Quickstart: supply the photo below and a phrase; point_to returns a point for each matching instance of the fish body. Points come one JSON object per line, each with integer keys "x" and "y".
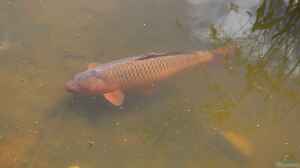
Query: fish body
{"x": 113, "y": 78}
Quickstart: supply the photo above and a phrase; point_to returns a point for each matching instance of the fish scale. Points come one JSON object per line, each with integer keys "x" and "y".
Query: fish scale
{"x": 147, "y": 71}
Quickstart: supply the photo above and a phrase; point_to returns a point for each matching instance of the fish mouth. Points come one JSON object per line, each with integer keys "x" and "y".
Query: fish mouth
{"x": 71, "y": 86}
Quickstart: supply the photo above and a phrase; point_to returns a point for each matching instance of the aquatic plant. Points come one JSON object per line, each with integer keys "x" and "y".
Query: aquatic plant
{"x": 278, "y": 26}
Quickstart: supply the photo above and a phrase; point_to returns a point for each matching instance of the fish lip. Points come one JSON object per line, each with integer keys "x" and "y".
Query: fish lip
{"x": 71, "y": 86}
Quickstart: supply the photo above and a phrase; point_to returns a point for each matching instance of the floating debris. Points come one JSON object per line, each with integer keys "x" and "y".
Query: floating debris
{"x": 287, "y": 164}
{"x": 288, "y": 161}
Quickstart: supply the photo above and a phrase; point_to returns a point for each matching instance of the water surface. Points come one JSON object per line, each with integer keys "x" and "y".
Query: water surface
{"x": 43, "y": 43}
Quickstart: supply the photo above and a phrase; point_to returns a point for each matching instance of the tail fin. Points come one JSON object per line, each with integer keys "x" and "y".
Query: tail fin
{"x": 223, "y": 53}
{"x": 227, "y": 50}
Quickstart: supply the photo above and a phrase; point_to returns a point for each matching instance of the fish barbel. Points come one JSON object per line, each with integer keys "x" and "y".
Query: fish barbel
{"x": 112, "y": 79}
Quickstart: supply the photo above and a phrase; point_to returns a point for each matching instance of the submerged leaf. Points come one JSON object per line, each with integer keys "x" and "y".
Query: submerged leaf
{"x": 213, "y": 32}
{"x": 261, "y": 10}
{"x": 267, "y": 25}
{"x": 287, "y": 164}
{"x": 259, "y": 15}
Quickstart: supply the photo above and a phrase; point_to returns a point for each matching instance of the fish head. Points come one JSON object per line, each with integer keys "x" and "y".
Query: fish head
{"x": 87, "y": 82}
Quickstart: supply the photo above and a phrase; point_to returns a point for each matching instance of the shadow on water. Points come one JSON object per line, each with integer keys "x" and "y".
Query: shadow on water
{"x": 96, "y": 108}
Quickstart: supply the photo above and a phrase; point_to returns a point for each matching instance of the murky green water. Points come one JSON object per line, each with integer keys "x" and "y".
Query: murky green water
{"x": 44, "y": 42}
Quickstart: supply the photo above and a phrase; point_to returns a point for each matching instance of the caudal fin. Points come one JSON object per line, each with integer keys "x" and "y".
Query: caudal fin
{"x": 228, "y": 50}
{"x": 218, "y": 55}
{"x": 224, "y": 53}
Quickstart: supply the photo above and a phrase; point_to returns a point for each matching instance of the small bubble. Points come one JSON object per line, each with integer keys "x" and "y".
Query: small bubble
{"x": 116, "y": 123}
{"x": 31, "y": 131}
{"x": 36, "y": 122}
{"x": 257, "y": 125}
{"x": 177, "y": 132}
{"x": 91, "y": 143}
{"x": 144, "y": 24}
{"x": 286, "y": 157}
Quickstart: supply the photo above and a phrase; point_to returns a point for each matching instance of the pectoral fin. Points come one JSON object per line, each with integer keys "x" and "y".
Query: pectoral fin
{"x": 116, "y": 97}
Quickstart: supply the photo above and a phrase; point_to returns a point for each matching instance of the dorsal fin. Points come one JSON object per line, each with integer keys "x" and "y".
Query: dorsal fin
{"x": 155, "y": 55}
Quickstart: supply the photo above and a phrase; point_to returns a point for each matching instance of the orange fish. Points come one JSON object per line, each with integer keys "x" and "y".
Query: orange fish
{"x": 112, "y": 79}
{"x": 239, "y": 142}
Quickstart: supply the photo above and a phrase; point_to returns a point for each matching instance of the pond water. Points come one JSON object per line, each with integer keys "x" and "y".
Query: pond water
{"x": 44, "y": 42}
